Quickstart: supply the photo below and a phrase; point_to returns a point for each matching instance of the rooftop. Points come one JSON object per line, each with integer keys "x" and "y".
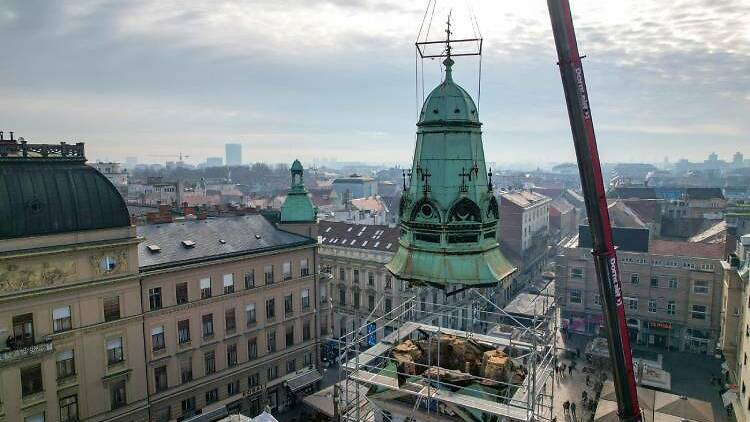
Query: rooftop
{"x": 688, "y": 249}
{"x": 173, "y": 244}
{"x": 523, "y": 198}
{"x": 371, "y": 237}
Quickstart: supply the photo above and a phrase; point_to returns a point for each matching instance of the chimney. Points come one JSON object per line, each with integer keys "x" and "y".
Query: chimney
{"x": 1, "y": 136}
{"x": 11, "y": 135}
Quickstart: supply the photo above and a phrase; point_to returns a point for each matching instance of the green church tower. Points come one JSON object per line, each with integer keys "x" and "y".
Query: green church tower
{"x": 448, "y": 212}
{"x": 298, "y": 207}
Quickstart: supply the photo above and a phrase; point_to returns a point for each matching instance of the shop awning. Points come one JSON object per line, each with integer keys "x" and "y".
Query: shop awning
{"x": 302, "y": 381}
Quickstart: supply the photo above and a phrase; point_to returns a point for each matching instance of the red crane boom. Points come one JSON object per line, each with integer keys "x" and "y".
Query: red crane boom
{"x": 605, "y": 257}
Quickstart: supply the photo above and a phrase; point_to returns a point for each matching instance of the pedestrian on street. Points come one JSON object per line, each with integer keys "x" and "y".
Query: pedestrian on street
{"x": 570, "y": 370}
{"x": 584, "y": 395}
{"x": 587, "y": 380}
{"x": 573, "y": 410}
{"x": 566, "y": 406}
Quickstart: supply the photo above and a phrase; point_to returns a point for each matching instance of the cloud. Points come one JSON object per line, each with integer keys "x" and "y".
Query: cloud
{"x": 317, "y": 77}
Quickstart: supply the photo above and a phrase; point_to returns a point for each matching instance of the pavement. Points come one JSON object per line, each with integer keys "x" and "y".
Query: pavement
{"x": 569, "y": 386}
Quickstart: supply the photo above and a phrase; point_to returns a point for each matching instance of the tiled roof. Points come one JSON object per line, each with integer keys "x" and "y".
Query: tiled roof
{"x": 620, "y": 215}
{"x": 633, "y": 192}
{"x": 649, "y": 210}
{"x": 692, "y": 249}
{"x": 562, "y": 205}
{"x": 704, "y": 193}
{"x": 359, "y": 236}
{"x": 523, "y": 198}
{"x": 370, "y": 204}
{"x": 213, "y": 238}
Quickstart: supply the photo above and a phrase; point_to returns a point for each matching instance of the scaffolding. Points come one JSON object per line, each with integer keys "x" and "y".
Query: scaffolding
{"x": 374, "y": 387}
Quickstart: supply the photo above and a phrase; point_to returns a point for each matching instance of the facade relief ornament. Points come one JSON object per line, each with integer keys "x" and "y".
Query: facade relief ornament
{"x": 15, "y": 277}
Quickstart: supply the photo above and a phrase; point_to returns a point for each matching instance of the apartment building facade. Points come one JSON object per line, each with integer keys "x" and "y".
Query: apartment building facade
{"x": 735, "y": 328}
{"x": 71, "y": 341}
{"x": 231, "y": 310}
{"x": 672, "y": 292}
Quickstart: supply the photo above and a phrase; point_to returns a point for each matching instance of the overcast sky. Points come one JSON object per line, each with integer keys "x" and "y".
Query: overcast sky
{"x": 336, "y": 79}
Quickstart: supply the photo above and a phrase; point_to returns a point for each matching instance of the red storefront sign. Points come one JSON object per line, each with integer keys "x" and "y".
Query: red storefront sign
{"x": 660, "y": 324}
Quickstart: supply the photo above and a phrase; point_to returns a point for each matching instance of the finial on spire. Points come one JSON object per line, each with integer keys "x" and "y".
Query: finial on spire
{"x": 448, "y": 62}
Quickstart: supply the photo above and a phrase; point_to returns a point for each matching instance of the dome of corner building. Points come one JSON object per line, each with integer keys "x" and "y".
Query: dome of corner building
{"x": 448, "y": 102}
{"x": 40, "y": 197}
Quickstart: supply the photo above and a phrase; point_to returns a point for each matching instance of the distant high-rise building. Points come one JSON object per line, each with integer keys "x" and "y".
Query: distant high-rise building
{"x": 131, "y": 162}
{"x": 234, "y": 154}
{"x": 216, "y": 161}
{"x": 738, "y": 159}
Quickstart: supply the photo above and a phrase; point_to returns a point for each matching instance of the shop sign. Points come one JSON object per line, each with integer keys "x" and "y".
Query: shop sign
{"x": 664, "y": 325}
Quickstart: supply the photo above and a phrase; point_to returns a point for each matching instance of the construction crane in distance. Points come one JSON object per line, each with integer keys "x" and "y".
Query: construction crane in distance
{"x": 592, "y": 184}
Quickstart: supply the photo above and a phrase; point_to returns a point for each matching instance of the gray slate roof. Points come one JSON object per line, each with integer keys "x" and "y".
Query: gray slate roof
{"x": 240, "y": 236}
{"x": 359, "y": 236}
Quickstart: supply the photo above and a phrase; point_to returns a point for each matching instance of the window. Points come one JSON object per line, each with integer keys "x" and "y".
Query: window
{"x": 576, "y": 273}
{"x": 305, "y": 295}
{"x": 61, "y": 319}
{"x": 65, "y": 364}
{"x": 575, "y": 296}
{"x": 205, "y": 288}
{"x": 671, "y": 307}
{"x": 23, "y": 329}
{"x": 228, "y": 283}
{"x": 233, "y": 387}
{"x": 271, "y": 341}
{"x": 286, "y": 270}
{"x": 655, "y": 282}
{"x": 635, "y": 278}
{"x": 111, "y": 308}
{"x": 188, "y": 407}
{"x": 291, "y": 366}
{"x": 306, "y": 331}
{"x": 355, "y": 299}
{"x": 117, "y": 395}
{"x": 308, "y": 359}
{"x": 250, "y": 279}
{"x": 652, "y": 305}
{"x": 388, "y": 282}
{"x": 69, "y": 408}
{"x": 632, "y": 303}
{"x": 209, "y": 362}
{"x": 342, "y": 296}
{"x": 323, "y": 295}
{"x": 673, "y": 284}
{"x": 231, "y": 354}
{"x": 698, "y": 312}
{"x": 160, "y": 378}
{"x": 288, "y": 305}
{"x": 388, "y": 304}
{"x": 157, "y": 338}
{"x": 208, "y": 325}
{"x": 252, "y": 348}
{"x": 250, "y": 317}
{"x": 370, "y": 279}
{"x": 356, "y": 276}
{"x": 272, "y": 372}
{"x": 183, "y": 331}
{"x": 290, "y": 336}
{"x": 186, "y": 370}
{"x": 212, "y": 396}
{"x": 229, "y": 320}
{"x": 31, "y": 380}
{"x": 181, "y": 293}
{"x": 700, "y": 287}
{"x": 270, "y": 308}
{"x": 304, "y": 268}
{"x": 370, "y": 303}
{"x": 154, "y": 298}
{"x": 268, "y": 274}
{"x": 597, "y": 299}
{"x": 253, "y": 380}
{"x": 342, "y": 274}
{"x": 114, "y": 351}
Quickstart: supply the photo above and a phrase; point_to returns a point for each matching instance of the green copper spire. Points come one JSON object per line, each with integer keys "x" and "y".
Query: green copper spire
{"x": 298, "y": 207}
{"x": 448, "y": 212}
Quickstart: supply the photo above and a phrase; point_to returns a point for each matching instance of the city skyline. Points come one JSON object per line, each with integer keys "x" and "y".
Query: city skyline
{"x": 135, "y": 76}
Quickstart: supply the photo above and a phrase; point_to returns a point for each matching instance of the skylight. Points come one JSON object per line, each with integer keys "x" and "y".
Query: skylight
{"x": 153, "y": 248}
{"x": 188, "y": 243}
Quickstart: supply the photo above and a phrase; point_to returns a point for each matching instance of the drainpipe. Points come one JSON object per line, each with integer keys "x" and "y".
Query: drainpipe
{"x": 143, "y": 334}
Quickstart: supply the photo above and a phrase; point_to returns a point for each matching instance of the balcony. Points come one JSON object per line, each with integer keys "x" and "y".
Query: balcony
{"x": 18, "y": 351}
